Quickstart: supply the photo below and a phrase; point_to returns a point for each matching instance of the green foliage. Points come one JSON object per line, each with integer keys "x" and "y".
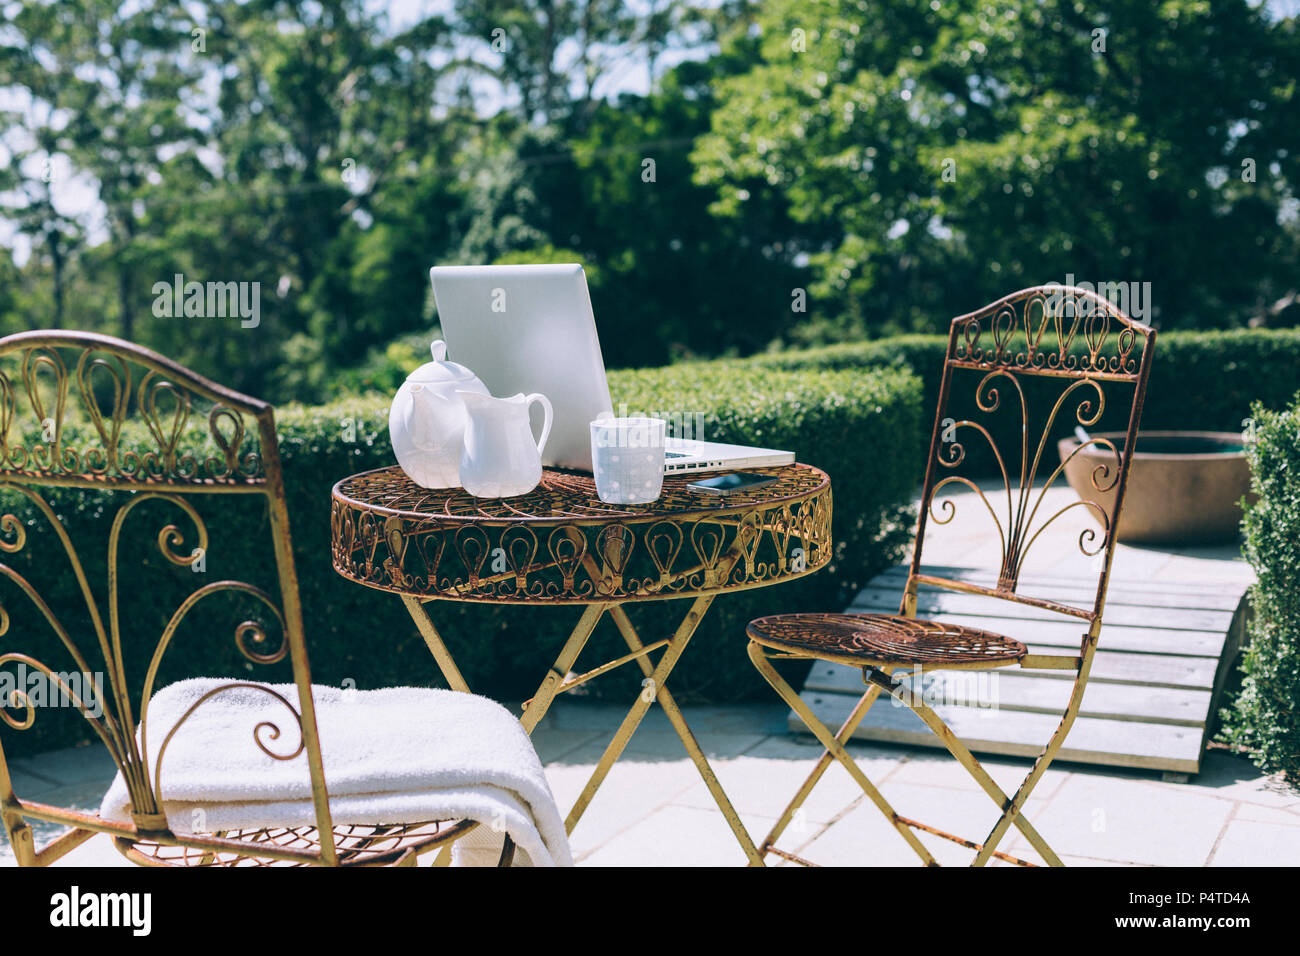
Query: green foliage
{"x": 839, "y": 421}
{"x": 94, "y": 89}
{"x": 637, "y": 212}
{"x": 922, "y": 354}
{"x": 384, "y": 369}
{"x": 1211, "y": 379}
{"x": 1199, "y": 380}
{"x": 364, "y": 635}
{"x": 1265, "y": 717}
{"x": 810, "y": 171}
{"x": 503, "y": 650}
{"x": 951, "y": 152}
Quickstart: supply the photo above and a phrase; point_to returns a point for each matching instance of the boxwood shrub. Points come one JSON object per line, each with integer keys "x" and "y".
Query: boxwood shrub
{"x": 1199, "y": 380}
{"x": 1265, "y": 716}
{"x": 863, "y": 427}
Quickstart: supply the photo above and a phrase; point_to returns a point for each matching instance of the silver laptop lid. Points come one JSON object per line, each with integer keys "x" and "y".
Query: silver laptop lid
{"x": 529, "y": 328}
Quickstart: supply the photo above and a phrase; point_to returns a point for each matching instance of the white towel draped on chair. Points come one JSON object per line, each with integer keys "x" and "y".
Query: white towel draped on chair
{"x": 396, "y": 755}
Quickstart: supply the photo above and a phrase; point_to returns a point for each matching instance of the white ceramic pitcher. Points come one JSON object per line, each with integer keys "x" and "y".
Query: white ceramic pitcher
{"x": 501, "y": 459}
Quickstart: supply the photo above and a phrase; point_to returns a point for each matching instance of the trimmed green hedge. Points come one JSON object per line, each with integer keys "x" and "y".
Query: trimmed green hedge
{"x": 837, "y": 420}
{"x": 857, "y": 411}
{"x": 1199, "y": 380}
{"x": 1265, "y": 716}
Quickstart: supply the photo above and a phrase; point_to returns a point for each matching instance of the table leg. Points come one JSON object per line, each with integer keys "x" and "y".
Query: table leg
{"x": 578, "y": 638}
{"x": 656, "y": 677}
{"x": 692, "y": 745}
{"x": 431, "y": 637}
{"x": 634, "y": 716}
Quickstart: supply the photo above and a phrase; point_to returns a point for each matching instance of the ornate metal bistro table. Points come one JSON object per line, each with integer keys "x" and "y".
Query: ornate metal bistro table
{"x": 560, "y": 545}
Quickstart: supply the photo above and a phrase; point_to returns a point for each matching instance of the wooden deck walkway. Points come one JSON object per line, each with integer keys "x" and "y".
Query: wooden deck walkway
{"x": 1166, "y": 650}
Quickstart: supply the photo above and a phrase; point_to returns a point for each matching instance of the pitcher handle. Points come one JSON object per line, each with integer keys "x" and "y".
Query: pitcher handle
{"x": 547, "y": 415}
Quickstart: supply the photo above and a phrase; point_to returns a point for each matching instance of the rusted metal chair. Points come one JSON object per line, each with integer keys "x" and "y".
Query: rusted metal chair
{"x": 198, "y": 440}
{"x": 1081, "y": 350}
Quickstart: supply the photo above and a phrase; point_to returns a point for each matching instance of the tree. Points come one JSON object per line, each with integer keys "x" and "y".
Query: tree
{"x": 953, "y": 152}
{"x": 29, "y": 179}
{"x": 323, "y": 124}
{"x": 548, "y": 55}
{"x": 676, "y": 281}
{"x": 102, "y": 84}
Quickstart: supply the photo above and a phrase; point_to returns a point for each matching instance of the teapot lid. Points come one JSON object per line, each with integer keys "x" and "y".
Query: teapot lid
{"x": 441, "y": 371}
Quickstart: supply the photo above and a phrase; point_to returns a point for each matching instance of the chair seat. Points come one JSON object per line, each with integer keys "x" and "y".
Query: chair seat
{"x": 356, "y": 845}
{"x": 406, "y": 767}
{"x": 885, "y": 640}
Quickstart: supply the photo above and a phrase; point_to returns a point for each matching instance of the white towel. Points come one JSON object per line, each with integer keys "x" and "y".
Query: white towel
{"x": 397, "y": 755}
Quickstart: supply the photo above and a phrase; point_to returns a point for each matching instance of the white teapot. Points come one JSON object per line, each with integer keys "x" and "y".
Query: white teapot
{"x": 427, "y": 420}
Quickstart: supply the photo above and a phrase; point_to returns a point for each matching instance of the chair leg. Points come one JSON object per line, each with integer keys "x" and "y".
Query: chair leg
{"x": 819, "y": 769}
{"x": 507, "y": 852}
{"x": 444, "y": 857}
{"x": 1010, "y": 808}
{"x": 836, "y": 749}
{"x": 21, "y": 840}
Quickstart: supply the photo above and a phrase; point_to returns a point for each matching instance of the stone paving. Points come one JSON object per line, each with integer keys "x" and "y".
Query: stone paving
{"x": 654, "y": 810}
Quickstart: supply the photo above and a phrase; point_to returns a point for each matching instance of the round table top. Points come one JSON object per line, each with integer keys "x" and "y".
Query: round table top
{"x": 567, "y": 498}
{"x": 561, "y": 544}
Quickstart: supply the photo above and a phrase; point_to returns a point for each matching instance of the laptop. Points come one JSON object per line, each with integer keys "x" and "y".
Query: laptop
{"x": 530, "y": 328}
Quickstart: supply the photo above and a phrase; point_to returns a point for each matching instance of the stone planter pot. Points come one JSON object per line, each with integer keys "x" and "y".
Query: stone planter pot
{"x": 1183, "y": 487}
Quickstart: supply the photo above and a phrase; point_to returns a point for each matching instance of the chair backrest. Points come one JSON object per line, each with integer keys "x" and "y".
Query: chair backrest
{"x": 1067, "y": 350}
{"x": 90, "y": 412}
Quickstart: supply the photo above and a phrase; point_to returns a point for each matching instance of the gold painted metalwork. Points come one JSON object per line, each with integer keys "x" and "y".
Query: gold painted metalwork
{"x": 199, "y": 439}
{"x": 561, "y": 545}
{"x": 886, "y": 640}
{"x": 1045, "y": 333}
{"x": 355, "y": 845}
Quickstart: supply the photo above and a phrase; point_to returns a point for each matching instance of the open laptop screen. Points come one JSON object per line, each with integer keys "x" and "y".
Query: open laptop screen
{"x": 530, "y": 328}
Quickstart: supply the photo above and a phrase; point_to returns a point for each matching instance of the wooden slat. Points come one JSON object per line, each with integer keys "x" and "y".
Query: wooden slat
{"x": 1007, "y": 689}
{"x": 1141, "y": 670}
{"x": 1092, "y": 740}
{"x": 1164, "y": 654}
{"x": 1066, "y": 635}
{"x": 1145, "y": 670}
{"x": 987, "y": 574}
{"x": 1209, "y": 595}
{"x": 936, "y": 602}
{"x": 960, "y": 573}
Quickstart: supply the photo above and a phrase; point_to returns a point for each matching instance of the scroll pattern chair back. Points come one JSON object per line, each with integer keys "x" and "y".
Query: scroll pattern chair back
{"x": 86, "y": 411}
{"x": 1079, "y": 352}
{"x": 1086, "y": 358}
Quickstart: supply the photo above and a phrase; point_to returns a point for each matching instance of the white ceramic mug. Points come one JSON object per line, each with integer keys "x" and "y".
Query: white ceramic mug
{"x": 627, "y": 458}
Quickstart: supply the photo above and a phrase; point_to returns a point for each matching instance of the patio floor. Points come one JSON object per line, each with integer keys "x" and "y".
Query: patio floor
{"x": 654, "y": 811}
